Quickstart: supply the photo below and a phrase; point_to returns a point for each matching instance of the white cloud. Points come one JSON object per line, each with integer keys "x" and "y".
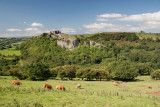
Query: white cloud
{"x": 14, "y": 30}
{"x": 68, "y": 30}
{"x": 149, "y": 22}
{"x": 107, "y": 16}
{"x": 98, "y": 25}
{"x": 142, "y": 17}
{"x": 36, "y": 25}
{"x": 31, "y": 29}
{"x": 112, "y": 15}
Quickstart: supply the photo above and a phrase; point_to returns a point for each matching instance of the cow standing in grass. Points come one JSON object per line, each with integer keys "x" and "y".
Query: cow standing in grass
{"x": 47, "y": 86}
{"x": 16, "y": 83}
{"x": 59, "y": 87}
{"x": 115, "y": 84}
{"x": 78, "y": 86}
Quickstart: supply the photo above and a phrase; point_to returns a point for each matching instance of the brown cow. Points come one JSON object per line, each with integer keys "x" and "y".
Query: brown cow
{"x": 78, "y": 86}
{"x": 16, "y": 83}
{"x": 59, "y": 87}
{"x": 47, "y": 86}
{"x": 149, "y": 87}
{"x": 116, "y": 84}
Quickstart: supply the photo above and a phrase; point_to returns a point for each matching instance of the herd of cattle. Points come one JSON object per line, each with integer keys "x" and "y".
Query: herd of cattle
{"x": 58, "y": 87}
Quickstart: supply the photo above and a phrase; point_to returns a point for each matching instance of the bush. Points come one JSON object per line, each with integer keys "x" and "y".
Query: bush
{"x": 156, "y": 74}
{"x": 123, "y": 70}
{"x": 35, "y": 70}
{"x": 70, "y": 71}
{"x": 144, "y": 68}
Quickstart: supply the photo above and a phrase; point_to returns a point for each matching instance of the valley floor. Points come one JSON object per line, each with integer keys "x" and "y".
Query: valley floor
{"x": 91, "y": 94}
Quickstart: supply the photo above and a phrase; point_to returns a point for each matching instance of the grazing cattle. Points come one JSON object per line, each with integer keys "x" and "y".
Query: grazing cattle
{"x": 116, "y": 84}
{"x": 16, "y": 83}
{"x": 59, "y": 87}
{"x": 149, "y": 87}
{"x": 47, "y": 86}
{"x": 78, "y": 86}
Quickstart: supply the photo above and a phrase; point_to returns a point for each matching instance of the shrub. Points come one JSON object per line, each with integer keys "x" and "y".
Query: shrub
{"x": 70, "y": 71}
{"x": 144, "y": 68}
{"x": 156, "y": 74}
{"x": 123, "y": 70}
{"x": 35, "y": 70}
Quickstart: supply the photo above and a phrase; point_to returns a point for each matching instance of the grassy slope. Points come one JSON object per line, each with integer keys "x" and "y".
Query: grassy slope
{"x": 92, "y": 94}
{"x": 148, "y": 35}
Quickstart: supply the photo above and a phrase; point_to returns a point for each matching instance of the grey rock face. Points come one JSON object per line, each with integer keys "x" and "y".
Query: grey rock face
{"x": 69, "y": 43}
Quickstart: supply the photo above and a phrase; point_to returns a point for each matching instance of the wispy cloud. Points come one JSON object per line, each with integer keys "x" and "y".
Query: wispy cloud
{"x": 31, "y": 29}
{"x": 14, "y": 30}
{"x": 36, "y": 25}
{"x": 142, "y": 17}
{"x": 130, "y": 23}
{"x": 68, "y": 30}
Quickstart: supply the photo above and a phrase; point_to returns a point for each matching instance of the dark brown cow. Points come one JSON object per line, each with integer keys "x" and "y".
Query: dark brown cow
{"x": 16, "y": 83}
{"x": 59, "y": 87}
{"x": 47, "y": 86}
{"x": 149, "y": 87}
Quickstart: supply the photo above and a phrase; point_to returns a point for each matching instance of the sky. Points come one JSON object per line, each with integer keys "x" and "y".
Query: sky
{"x": 34, "y": 17}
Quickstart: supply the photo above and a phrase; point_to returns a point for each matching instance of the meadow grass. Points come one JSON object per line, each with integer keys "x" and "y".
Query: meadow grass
{"x": 10, "y": 51}
{"x": 91, "y": 94}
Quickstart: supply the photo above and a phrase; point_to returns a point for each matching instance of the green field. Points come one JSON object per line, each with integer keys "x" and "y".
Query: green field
{"x": 92, "y": 94}
{"x": 10, "y": 51}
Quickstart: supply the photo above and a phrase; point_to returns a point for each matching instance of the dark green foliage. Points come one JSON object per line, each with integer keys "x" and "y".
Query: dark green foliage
{"x": 113, "y": 49}
{"x": 101, "y": 37}
{"x": 69, "y": 71}
{"x": 156, "y": 74}
{"x": 80, "y": 72}
{"x": 145, "y": 68}
{"x": 101, "y": 74}
{"x": 54, "y": 71}
{"x": 123, "y": 70}
{"x": 35, "y": 70}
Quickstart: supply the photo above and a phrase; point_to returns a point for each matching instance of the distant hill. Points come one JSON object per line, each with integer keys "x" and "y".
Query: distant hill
{"x": 62, "y": 49}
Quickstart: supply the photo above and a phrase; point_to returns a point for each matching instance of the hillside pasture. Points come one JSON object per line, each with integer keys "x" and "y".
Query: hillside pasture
{"x": 91, "y": 94}
{"x": 10, "y": 51}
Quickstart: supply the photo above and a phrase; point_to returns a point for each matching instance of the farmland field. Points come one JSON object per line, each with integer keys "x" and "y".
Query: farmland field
{"x": 10, "y": 52}
{"x": 91, "y": 94}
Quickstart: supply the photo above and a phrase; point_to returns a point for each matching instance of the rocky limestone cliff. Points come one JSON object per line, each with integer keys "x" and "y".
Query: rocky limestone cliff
{"x": 69, "y": 43}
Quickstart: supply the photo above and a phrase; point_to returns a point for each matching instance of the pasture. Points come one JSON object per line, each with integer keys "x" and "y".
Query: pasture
{"x": 91, "y": 94}
{"x": 10, "y": 51}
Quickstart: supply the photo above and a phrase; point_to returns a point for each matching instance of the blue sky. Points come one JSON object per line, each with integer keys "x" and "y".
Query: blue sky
{"x": 33, "y": 17}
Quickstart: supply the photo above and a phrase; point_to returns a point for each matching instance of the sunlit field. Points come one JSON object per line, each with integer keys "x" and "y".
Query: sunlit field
{"x": 91, "y": 94}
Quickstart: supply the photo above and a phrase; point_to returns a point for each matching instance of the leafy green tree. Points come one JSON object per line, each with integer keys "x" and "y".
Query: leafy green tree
{"x": 80, "y": 73}
{"x": 145, "y": 68}
{"x": 70, "y": 71}
{"x": 54, "y": 71}
{"x": 123, "y": 70}
{"x": 101, "y": 74}
{"x": 156, "y": 74}
{"x": 36, "y": 70}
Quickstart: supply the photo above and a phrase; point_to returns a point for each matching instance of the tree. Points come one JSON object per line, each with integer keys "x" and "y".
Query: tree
{"x": 144, "y": 68}
{"x": 80, "y": 73}
{"x": 36, "y": 70}
{"x": 156, "y": 74}
{"x": 101, "y": 74}
{"x": 54, "y": 71}
{"x": 123, "y": 70}
{"x": 70, "y": 71}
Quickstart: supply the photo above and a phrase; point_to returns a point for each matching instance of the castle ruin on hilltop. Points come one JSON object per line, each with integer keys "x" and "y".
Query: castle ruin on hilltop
{"x": 55, "y": 32}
